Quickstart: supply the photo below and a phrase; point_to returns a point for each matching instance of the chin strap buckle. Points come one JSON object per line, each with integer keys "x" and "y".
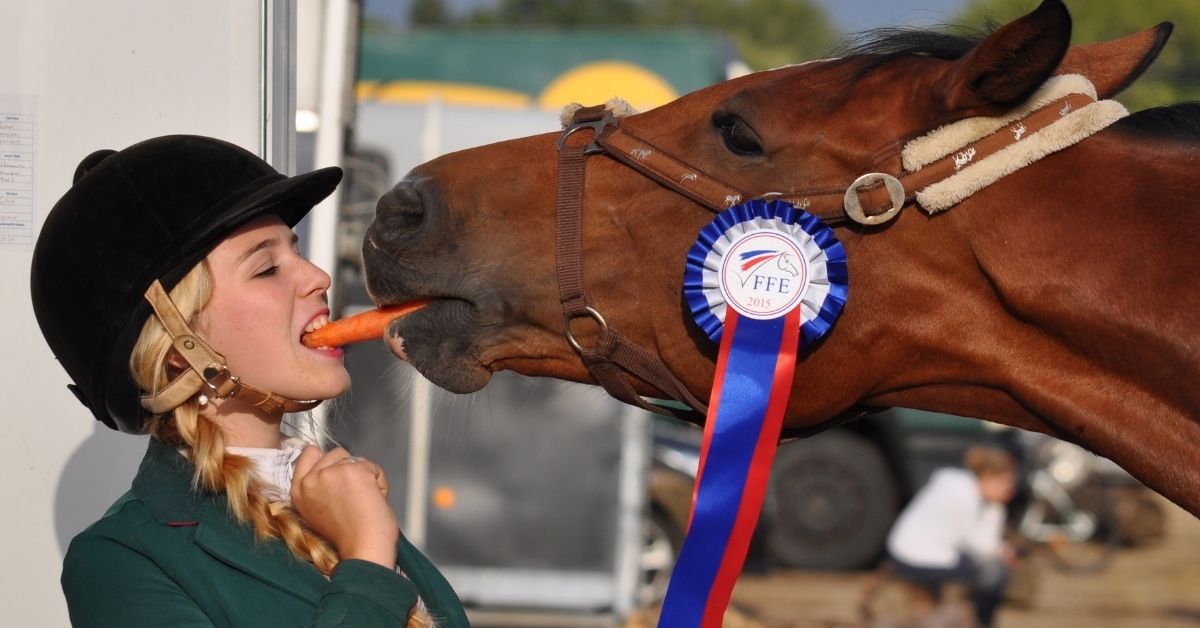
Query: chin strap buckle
{"x": 223, "y": 384}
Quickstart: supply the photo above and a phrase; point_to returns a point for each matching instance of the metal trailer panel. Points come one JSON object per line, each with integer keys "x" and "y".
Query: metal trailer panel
{"x": 98, "y": 75}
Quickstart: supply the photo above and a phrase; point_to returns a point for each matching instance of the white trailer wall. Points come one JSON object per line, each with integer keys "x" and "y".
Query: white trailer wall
{"x": 75, "y": 77}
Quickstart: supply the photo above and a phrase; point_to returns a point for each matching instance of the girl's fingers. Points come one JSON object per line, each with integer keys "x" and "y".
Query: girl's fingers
{"x": 312, "y": 460}
{"x": 376, "y": 471}
{"x": 331, "y": 457}
{"x": 374, "y": 468}
{"x": 308, "y": 458}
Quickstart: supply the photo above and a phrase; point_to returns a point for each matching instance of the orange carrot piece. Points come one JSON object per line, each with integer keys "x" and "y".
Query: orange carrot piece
{"x": 367, "y": 325}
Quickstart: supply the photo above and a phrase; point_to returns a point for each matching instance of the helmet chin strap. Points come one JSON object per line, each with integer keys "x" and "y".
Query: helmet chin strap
{"x": 208, "y": 372}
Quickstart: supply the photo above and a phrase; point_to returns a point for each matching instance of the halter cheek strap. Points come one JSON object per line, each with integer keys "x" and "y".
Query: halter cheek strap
{"x": 940, "y": 169}
{"x": 208, "y": 371}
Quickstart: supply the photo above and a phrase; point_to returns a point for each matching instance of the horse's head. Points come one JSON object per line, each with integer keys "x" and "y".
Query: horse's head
{"x": 476, "y": 228}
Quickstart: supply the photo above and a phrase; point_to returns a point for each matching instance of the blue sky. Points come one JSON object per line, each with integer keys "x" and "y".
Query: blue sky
{"x": 857, "y": 15}
{"x": 850, "y": 15}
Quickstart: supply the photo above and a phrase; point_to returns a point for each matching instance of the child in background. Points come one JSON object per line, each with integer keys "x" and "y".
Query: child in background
{"x": 951, "y": 531}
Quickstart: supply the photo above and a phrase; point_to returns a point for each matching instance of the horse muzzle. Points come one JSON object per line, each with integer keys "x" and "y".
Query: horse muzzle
{"x": 410, "y": 252}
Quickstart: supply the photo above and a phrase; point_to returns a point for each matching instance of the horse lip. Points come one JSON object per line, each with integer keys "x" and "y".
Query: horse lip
{"x": 440, "y": 342}
{"x": 395, "y": 342}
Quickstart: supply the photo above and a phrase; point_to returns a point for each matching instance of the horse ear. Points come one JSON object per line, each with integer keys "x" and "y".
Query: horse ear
{"x": 1113, "y": 65}
{"x": 1008, "y": 66}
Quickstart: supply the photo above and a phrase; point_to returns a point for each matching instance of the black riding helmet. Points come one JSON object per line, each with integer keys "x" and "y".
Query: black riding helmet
{"x": 150, "y": 211}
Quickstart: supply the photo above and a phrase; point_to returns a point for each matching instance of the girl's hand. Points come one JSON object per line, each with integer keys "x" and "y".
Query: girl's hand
{"x": 344, "y": 499}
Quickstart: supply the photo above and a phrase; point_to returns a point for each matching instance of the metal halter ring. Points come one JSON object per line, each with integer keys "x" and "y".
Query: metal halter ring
{"x": 854, "y": 207}
{"x": 587, "y": 311}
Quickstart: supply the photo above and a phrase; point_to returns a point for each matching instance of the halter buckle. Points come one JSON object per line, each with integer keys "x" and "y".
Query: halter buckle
{"x": 217, "y": 377}
{"x": 597, "y": 125}
{"x": 854, "y": 207}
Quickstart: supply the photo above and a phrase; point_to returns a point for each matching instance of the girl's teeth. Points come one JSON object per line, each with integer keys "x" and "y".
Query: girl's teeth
{"x": 316, "y": 324}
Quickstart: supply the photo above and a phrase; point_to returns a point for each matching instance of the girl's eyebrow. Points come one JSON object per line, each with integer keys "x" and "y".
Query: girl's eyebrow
{"x": 265, "y": 244}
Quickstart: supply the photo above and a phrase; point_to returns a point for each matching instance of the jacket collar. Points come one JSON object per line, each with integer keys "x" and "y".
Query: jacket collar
{"x": 164, "y": 484}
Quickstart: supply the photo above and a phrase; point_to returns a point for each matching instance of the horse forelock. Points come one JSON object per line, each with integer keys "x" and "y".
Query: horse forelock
{"x": 619, "y": 107}
{"x": 881, "y": 46}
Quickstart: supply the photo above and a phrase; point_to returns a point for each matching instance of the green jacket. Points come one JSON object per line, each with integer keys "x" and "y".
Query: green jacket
{"x": 164, "y": 555}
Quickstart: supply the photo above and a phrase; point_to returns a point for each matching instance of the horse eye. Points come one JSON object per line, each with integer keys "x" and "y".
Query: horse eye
{"x": 739, "y": 138}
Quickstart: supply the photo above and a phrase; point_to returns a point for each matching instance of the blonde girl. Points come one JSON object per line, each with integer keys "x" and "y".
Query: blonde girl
{"x": 169, "y": 284}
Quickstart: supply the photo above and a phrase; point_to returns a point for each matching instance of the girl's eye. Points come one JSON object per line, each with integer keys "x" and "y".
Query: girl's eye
{"x": 268, "y": 272}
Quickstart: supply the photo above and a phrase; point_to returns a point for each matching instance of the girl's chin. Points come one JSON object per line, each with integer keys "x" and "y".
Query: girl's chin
{"x": 334, "y": 388}
{"x": 326, "y": 385}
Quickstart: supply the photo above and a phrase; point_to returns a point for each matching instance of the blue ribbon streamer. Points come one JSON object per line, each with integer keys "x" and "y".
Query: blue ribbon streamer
{"x": 745, "y": 392}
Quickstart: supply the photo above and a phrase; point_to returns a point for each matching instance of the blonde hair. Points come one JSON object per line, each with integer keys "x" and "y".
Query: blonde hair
{"x": 216, "y": 471}
{"x": 986, "y": 461}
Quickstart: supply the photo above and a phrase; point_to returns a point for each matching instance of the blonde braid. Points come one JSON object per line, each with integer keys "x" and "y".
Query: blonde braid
{"x": 216, "y": 471}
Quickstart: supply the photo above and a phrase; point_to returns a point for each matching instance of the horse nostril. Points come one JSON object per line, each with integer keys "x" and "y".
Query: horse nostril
{"x": 401, "y": 208}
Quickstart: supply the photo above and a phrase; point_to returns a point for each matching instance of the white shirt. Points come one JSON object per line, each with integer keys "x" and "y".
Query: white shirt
{"x": 274, "y": 467}
{"x": 946, "y": 518}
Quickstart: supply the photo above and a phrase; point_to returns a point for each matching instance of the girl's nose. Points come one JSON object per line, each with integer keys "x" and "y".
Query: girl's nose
{"x": 315, "y": 279}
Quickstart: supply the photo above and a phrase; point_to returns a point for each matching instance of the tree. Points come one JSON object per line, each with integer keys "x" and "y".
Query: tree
{"x": 768, "y": 33}
{"x": 567, "y": 13}
{"x": 1174, "y": 77}
{"x": 428, "y": 12}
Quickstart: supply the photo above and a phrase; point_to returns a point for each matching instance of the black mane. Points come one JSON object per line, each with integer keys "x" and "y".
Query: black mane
{"x": 884, "y": 45}
{"x": 1179, "y": 121}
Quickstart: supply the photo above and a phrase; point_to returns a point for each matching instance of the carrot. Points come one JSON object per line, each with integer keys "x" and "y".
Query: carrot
{"x": 367, "y": 325}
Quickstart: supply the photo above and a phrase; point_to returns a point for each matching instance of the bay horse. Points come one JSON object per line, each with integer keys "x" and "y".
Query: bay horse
{"x": 1063, "y": 297}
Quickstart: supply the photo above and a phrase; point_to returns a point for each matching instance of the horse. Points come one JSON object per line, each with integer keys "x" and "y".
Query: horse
{"x": 1060, "y": 297}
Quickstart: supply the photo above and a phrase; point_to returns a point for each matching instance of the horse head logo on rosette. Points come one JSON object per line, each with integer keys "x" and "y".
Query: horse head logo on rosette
{"x": 764, "y": 281}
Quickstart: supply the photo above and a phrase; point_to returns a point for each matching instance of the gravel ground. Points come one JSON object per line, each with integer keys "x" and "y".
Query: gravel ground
{"x": 1155, "y": 586}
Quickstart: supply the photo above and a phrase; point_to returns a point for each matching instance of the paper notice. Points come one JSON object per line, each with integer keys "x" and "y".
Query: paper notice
{"x": 17, "y": 115}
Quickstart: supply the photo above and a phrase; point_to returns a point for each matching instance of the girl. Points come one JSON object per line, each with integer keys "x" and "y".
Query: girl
{"x": 168, "y": 283}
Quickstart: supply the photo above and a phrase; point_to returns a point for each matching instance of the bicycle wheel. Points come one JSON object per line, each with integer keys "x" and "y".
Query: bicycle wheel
{"x": 1069, "y": 553}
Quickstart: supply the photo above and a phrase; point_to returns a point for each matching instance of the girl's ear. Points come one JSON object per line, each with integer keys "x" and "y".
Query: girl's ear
{"x": 175, "y": 362}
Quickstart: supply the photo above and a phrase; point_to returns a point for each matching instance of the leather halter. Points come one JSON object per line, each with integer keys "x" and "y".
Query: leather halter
{"x": 612, "y": 351}
{"x": 871, "y": 199}
{"x": 208, "y": 371}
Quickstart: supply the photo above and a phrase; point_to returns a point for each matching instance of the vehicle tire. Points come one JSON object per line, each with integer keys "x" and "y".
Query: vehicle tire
{"x": 835, "y": 499}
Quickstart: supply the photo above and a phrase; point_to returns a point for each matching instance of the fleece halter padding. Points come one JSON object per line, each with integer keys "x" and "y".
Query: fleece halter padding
{"x": 1073, "y": 126}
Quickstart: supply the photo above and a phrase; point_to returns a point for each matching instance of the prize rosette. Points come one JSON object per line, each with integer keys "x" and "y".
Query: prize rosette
{"x": 772, "y": 256}
{"x": 763, "y": 280}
